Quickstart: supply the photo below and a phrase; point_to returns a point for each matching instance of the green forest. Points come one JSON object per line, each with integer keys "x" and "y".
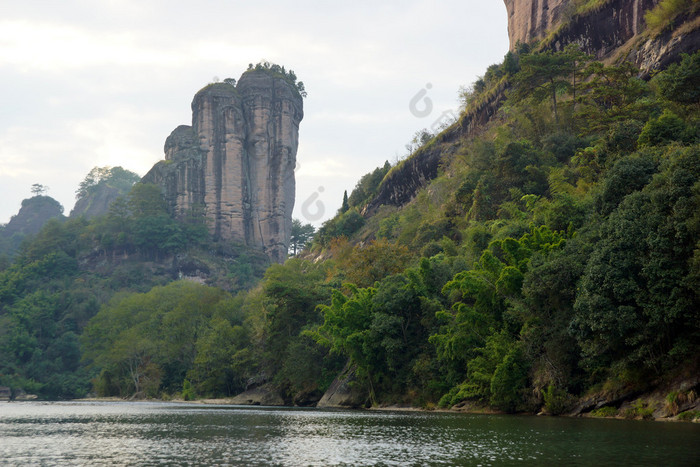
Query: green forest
{"x": 555, "y": 256}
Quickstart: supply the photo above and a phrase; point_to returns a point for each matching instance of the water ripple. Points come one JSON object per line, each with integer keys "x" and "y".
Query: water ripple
{"x": 143, "y": 433}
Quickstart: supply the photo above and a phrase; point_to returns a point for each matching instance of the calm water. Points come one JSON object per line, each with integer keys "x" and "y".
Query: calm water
{"x": 143, "y": 433}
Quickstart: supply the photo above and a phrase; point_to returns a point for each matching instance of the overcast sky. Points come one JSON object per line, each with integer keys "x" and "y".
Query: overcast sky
{"x": 88, "y": 83}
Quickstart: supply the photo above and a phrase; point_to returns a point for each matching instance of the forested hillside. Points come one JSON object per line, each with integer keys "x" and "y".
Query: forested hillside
{"x": 554, "y": 260}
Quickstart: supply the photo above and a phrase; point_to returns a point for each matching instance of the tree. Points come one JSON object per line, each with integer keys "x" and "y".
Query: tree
{"x": 146, "y": 199}
{"x": 679, "y": 82}
{"x": 345, "y": 206}
{"x": 611, "y": 94}
{"x": 547, "y": 74}
{"x": 346, "y": 329}
{"x": 116, "y": 177}
{"x": 542, "y": 74}
{"x": 39, "y": 189}
{"x": 301, "y": 236}
{"x": 376, "y": 261}
{"x": 292, "y": 291}
{"x": 638, "y": 302}
{"x": 665, "y": 129}
{"x": 145, "y": 343}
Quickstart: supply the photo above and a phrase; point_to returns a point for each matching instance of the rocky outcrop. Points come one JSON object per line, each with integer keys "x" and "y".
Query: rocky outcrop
{"x": 531, "y": 19}
{"x": 263, "y": 395}
{"x": 34, "y": 213}
{"x": 404, "y": 181}
{"x": 344, "y": 392}
{"x": 599, "y": 30}
{"x": 235, "y": 164}
{"x": 96, "y": 203}
{"x": 658, "y": 52}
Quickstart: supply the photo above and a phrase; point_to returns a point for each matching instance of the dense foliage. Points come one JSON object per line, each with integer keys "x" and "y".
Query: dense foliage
{"x": 63, "y": 275}
{"x": 556, "y": 255}
{"x": 278, "y": 71}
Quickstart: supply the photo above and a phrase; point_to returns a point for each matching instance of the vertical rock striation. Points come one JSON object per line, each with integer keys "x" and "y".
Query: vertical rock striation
{"x": 531, "y": 19}
{"x": 609, "y": 30}
{"x": 235, "y": 164}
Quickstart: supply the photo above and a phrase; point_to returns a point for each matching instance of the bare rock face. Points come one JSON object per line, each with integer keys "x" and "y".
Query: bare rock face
{"x": 614, "y": 30}
{"x": 599, "y": 30}
{"x": 344, "y": 393}
{"x": 96, "y": 203}
{"x": 235, "y": 164}
{"x": 531, "y": 19}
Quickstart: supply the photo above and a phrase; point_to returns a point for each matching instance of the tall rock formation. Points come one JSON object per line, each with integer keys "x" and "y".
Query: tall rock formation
{"x": 235, "y": 164}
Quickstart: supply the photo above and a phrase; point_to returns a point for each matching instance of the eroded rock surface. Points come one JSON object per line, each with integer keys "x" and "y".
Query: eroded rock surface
{"x": 613, "y": 30}
{"x": 235, "y": 163}
{"x": 345, "y": 392}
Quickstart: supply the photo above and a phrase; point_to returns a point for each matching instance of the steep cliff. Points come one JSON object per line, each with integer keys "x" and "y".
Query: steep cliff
{"x": 97, "y": 203}
{"x": 403, "y": 181}
{"x": 610, "y": 30}
{"x": 235, "y": 164}
{"x": 531, "y": 19}
{"x": 101, "y": 186}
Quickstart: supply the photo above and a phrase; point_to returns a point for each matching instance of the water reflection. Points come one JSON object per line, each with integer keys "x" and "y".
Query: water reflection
{"x": 83, "y": 433}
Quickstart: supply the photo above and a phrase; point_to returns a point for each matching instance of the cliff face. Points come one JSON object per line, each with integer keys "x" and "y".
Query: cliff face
{"x": 614, "y": 30}
{"x": 531, "y": 19}
{"x": 599, "y": 30}
{"x": 235, "y": 164}
{"x": 403, "y": 182}
{"x": 97, "y": 203}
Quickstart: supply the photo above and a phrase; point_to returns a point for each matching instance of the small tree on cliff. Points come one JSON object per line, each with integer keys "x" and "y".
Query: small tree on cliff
{"x": 301, "y": 236}
{"x": 547, "y": 74}
{"x": 38, "y": 189}
{"x": 345, "y": 206}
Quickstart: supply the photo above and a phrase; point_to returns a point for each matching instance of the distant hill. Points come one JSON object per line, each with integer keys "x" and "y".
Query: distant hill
{"x": 32, "y": 216}
{"x": 100, "y": 188}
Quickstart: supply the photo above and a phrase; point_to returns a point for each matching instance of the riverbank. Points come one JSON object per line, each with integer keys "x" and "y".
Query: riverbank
{"x": 138, "y": 432}
{"x": 675, "y": 401}
{"x": 628, "y": 411}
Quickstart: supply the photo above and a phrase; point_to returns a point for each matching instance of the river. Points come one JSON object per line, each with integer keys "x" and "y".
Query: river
{"x": 150, "y": 433}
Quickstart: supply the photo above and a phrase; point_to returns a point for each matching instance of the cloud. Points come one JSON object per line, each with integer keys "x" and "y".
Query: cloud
{"x": 90, "y": 83}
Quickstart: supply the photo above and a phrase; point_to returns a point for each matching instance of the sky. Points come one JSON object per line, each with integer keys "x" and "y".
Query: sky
{"x": 95, "y": 83}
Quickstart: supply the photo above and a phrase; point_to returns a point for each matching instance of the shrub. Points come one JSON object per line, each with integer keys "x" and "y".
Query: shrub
{"x": 602, "y": 412}
{"x": 640, "y": 409}
{"x": 556, "y": 400}
{"x": 663, "y": 14}
{"x": 508, "y": 382}
{"x": 668, "y": 127}
{"x": 679, "y": 81}
{"x": 672, "y": 400}
{"x": 188, "y": 391}
{"x": 689, "y": 416}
